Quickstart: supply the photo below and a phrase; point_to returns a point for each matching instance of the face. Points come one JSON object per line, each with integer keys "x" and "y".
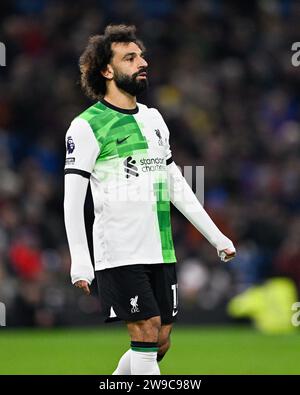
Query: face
{"x": 128, "y": 68}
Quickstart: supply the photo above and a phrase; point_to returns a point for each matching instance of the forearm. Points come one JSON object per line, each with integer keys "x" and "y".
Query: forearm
{"x": 186, "y": 202}
{"x": 75, "y": 193}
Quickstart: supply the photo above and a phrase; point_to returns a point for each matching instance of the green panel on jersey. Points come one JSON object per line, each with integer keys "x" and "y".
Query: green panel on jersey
{"x": 118, "y": 134}
{"x": 124, "y": 138}
{"x": 164, "y": 221}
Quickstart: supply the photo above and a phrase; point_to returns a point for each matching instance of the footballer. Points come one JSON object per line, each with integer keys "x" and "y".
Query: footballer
{"x": 122, "y": 148}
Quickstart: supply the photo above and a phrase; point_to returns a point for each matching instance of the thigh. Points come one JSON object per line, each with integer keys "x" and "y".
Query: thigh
{"x": 145, "y": 330}
{"x": 165, "y": 288}
{"x": 126, "y": 293}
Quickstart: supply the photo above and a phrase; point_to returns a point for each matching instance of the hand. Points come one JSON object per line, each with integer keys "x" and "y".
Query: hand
{"x": 83, "y": 285}
{"x": 227, "y": 254}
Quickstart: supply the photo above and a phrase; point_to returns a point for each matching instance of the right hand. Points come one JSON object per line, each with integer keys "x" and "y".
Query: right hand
{"x": 84, "y": 285}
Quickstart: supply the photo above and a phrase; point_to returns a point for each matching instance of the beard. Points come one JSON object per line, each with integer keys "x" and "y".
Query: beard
{"x": 130, "y": 84}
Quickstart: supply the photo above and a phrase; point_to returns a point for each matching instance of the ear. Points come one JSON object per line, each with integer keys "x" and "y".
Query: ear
{"x": 108, "y": 72}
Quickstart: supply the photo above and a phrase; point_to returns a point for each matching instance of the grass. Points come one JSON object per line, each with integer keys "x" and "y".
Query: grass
{"x": 195, "y": 350}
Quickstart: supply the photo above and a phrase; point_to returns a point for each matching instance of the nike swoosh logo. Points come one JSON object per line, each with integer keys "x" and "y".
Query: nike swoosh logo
{"x": 120, "y": 141}
{"x": 174, "y": 313}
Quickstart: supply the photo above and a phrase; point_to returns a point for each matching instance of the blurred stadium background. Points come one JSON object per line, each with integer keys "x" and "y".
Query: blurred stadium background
{"x": 221, "y": 74}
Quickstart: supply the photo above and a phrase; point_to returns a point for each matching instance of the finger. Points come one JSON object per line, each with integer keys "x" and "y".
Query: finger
{"x": 86, "y": 289}
{"x": 229, "y": 259}
{"x": 229, "y": 251}
{"x": 230, "y": 256}
{"x": 79, "y": 284}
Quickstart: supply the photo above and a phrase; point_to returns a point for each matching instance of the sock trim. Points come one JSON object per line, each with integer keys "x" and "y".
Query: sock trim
{"x": 144, "y": 346}
{"x": 147, "y": 349}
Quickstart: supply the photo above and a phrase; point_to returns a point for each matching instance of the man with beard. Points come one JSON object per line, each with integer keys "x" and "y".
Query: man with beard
{"x": 122, "y": 148}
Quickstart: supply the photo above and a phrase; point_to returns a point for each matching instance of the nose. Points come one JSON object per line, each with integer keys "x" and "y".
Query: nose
{"x": 143, "y": 63}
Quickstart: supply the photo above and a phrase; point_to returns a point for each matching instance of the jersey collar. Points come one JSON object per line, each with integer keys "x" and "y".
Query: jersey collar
{"x": 122, "y": 110}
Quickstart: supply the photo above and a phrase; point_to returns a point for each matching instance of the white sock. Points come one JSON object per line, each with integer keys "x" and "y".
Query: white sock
{"x": 124, "y": 364}
{"x": 144, "y": 362}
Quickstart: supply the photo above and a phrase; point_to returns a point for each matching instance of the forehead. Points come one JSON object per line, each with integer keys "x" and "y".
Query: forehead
{"x": 121, "y": 49}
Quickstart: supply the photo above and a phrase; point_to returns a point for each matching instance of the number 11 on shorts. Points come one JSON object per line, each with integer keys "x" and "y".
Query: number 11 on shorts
{"x": 175, "y": 299}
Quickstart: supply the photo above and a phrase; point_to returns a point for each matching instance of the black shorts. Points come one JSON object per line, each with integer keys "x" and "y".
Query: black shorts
{"x": 138, "y": 292}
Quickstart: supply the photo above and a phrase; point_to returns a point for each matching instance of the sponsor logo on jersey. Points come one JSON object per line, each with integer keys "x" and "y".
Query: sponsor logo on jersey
{"x": 130, "y": 168}
{"x": 152, "y": 164}
{"x": 134, "y": 304}
{"x": 147, "y": 165}
{"x": 70, "y": 145}
{"x": 158, "y": 134}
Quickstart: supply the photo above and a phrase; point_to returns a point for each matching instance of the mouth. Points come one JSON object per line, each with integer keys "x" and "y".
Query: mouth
{"x": 143, "y": 74}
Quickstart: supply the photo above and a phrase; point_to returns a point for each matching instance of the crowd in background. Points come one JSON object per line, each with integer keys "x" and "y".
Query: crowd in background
{"x": 221, "y": 75}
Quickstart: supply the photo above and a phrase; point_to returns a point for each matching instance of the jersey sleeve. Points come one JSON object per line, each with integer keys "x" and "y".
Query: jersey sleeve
{"x": 82, "y": 148}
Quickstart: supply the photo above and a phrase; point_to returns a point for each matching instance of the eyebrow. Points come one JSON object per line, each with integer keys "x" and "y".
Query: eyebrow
{"x": 133, "y": 53}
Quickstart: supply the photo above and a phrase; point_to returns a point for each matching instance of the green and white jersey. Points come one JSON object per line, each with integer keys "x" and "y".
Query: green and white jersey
{"x": 125, "y": 154}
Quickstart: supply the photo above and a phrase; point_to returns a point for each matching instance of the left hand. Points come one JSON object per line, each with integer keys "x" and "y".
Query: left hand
{"x": 227, "y": 254}
{"x": 84, "y": 285}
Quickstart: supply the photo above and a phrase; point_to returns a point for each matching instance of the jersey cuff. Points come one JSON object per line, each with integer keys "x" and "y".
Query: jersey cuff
{"x": 169, "y": 161}
{"x": 82, "y": 173}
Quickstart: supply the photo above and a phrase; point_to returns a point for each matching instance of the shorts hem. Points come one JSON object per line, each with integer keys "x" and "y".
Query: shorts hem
{"x": 145, "y": 317}
{"x": 170, "y": 321}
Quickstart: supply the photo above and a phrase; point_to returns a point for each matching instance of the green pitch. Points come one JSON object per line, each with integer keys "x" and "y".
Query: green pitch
{"x": 196, "y": 350}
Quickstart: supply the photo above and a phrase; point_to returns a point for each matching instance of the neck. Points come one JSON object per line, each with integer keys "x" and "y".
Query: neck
{"x": 121, "y": 99}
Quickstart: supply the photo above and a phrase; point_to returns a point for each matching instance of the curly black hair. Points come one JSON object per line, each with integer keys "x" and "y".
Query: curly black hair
{"x": 98, "y": 54}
